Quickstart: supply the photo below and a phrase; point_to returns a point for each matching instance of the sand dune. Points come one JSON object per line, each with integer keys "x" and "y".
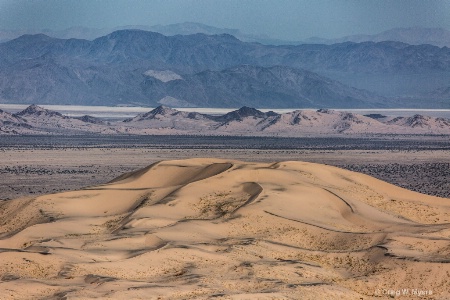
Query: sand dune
{"x": 209, "y": 228}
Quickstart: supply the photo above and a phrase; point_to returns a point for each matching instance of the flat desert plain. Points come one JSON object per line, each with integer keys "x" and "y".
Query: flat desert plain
{"x": 37, "y": 171}
{"x": 211, "y": 228}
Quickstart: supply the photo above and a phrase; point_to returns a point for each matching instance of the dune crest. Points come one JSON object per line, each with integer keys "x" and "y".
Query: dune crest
{"x": 203, "y": 228}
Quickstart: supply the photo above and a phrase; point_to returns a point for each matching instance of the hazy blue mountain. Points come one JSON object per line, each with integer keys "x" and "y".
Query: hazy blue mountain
{"x": 413, "y": 36}
{"x": 185, "y": 28}
{"x": 9, "y": 34}
{"x": 117, "y": 69}
{"x": 199, "y": 52}
{"x": 188, "y": 28}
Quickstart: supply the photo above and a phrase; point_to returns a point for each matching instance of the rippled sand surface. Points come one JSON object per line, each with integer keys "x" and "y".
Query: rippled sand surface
{"x": 224, "y": 229}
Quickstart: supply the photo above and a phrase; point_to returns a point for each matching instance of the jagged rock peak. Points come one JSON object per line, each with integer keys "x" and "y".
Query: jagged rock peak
{"x": 325, "y": 111}
{"x": 418, "y": 117}
{"x": 250, "y": 111}
{"x": 35, "y": 107}
{"x": 417, "y": 120}
{"x": 33, "y": 38}
{"x": 246, "y": 111}
{"x": 375, "y": 116}
{"x": 160, "y": 110}
{"x": 133, "y": 33}
{"x": 91, "y": 119}
{"x": 32, "y": 109}
{"x": 163, "y": 110}
{"x": 37, "y": 111}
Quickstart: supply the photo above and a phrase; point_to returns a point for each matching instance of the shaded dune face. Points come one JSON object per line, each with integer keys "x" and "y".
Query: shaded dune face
{"x": 203, "y": 228}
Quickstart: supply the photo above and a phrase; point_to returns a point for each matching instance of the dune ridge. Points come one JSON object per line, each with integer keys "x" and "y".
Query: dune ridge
{"x": 224, "y": 229}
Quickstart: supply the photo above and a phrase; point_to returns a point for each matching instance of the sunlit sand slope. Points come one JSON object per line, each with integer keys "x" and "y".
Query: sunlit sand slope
{"x": 209, "y": 228}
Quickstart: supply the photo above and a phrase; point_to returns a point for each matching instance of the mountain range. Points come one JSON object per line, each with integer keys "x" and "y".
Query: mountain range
{"x": 413, "y": 35}
{"x": 185, "y": 28}
{"x": 135, "y": 67}
{"x": 245, "y": 121}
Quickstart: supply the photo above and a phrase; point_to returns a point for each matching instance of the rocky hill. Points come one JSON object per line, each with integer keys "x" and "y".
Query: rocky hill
{"x": 37, "y": 120}
{"x": 13, "y": 124}
{"x": 244, "y": 121}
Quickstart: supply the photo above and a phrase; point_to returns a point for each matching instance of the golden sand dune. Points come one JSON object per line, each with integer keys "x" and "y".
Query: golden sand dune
{"x": 207, "y": 228}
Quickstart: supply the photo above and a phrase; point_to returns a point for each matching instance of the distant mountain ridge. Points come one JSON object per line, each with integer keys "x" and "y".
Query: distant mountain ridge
{"x": 185, "y": 28}
{"x": 135, "y": 67}
{"x": 414, "y": 36}
{"x": 246, "y": 121}
{"x": 116, "y": 68}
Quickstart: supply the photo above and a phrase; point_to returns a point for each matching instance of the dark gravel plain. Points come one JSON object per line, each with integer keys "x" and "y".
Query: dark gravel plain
{"x": 426, "y": 178}
{"x": 33, "y": 165}
{"x": 375, "y": 142}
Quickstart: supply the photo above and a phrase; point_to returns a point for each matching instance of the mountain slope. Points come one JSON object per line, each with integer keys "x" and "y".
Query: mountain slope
{"x": 277, "y": 86}
{"x": 13, "y": 124}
